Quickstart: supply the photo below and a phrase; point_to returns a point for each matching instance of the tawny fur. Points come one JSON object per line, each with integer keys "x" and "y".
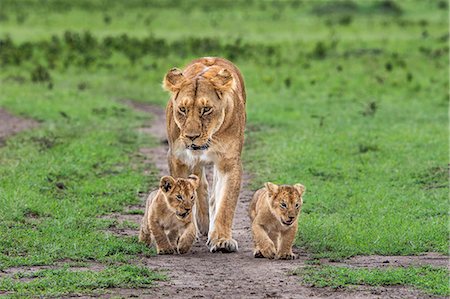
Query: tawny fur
{"x": 167, "y": 221}
{"x": 274, "y": 212}
{"x": 205, "y": 124}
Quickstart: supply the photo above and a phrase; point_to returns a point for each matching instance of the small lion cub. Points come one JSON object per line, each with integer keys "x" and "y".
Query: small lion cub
{"x": 274, "y": 211}
{"x": 168, "y": 215}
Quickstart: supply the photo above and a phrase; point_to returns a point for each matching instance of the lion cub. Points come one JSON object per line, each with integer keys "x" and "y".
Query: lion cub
{"x": 168, "y": 215}
{"x": 274, "y": 211}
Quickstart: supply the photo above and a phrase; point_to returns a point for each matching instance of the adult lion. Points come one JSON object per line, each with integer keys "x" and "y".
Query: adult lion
{"x": 205, "y": 124}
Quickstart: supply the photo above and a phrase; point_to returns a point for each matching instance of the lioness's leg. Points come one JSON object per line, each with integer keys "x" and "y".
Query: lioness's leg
{"x": 187, "y": 239}
{"x": 226, "y": 192}
{"x": 177, "y": 168}
{"x": 201, "y": 216}
{"x": 285, "y": 250}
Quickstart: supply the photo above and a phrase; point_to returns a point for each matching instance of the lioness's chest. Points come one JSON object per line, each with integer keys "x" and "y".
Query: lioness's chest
{"x": 193, "y": 158}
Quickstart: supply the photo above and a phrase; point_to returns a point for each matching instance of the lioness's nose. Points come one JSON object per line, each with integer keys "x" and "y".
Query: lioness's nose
{"x": 291, "y": 217}
{"x": 192, "y": 136}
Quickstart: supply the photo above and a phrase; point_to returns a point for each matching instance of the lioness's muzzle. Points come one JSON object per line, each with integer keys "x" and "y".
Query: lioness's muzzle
{"x": 195, "y": 147}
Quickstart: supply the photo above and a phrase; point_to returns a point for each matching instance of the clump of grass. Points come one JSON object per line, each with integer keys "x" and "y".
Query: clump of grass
{"x": 429, "y": 279}
{"x": 57, "y": 282}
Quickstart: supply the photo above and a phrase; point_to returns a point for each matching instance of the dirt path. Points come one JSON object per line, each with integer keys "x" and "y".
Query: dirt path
{"x": 10, "y": 124}
{"x": 201, "y": 274}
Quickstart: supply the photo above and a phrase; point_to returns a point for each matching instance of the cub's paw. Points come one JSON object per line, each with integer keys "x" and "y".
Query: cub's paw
{"x": 166, "y": 250}
{"x": 287, "y": 256}
{"x": 183, "y": 249}
{"x": 268, "y": 252}
{"x": 222, "y": 245}
{"x": 257, "y": 254}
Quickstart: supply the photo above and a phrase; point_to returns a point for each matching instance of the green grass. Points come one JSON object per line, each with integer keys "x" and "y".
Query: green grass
{"x": 429, "y": 279}
{"x": 57, "y": 282}
{"x": 57, "y": 179}
{"x": 348, "y": 98}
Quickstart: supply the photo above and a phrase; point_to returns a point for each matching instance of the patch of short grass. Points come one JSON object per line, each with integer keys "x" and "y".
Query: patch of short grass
{"x": 57, "y": 282}
{"x": 56, "y": 181}
{"x": 429, "y": 279}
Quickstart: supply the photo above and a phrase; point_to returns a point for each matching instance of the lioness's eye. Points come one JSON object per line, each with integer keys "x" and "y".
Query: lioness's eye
{"x": 182, "y": 110}
{"x": 283, "y": 205}
{"x": 192, "y": 197}
{"x": 206, "y": 110}
{"x": 180, "y": 198}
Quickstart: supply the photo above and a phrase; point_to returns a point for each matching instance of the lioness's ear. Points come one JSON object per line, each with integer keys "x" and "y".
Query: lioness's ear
{"x": 194, "y": 180}
{"x": 166, "y": 184}
{"x": 173, "y": 80}
{"x": 300, "y": 188}
{"x": 272, "y": 188}
{"x": 223, "y": 81}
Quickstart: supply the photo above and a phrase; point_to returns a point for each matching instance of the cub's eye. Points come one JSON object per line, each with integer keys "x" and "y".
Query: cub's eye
{"x": 283, "y": 205}
{"x": 192, "y": 197}
{"x": 182, "y": 110}
{"x": 206, "y": 110}
{"x": 297, "y": 205}
{"x": 179, "y": 197}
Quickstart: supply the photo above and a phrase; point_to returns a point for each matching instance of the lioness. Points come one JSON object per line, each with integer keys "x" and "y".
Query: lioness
{"x": 205, "y": 124}
{"x": 274, "y": 211}
{"x": 168, "y": 219}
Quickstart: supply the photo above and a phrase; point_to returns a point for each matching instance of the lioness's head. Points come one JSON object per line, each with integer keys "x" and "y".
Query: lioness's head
{"x": 286, "y": 201}
{"x": 199, "y": 100}
{"x": 180, "y": 194}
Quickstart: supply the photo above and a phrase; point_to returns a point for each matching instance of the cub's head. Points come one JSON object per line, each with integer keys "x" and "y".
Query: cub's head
{"x": 180, "y": 194}
{"x": 285, "y": 201}
{"x": 199, "y": 100}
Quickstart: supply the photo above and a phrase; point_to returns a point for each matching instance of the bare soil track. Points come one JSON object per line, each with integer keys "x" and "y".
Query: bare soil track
{"x": 10, "y": 124}
{"x": 201, "y": 274}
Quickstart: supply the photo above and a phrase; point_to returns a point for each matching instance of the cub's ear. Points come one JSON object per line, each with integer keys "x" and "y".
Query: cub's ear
{"x": 272, "y": 188}
{"x": 173, "y": 80}
{"x": 300, "y": 188}
{"x": 194, "y": 180}
{"x": 166, "y": 184}
{"x": 223, "y": 81}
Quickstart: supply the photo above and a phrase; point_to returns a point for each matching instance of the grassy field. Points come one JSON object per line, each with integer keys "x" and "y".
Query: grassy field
{"x": 430, "y": 279}
{"x": 348, "y": 98}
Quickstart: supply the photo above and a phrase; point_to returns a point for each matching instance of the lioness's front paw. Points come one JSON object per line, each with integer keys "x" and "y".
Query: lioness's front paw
{"x": 268, "y": 252}
{"x": 203, "y": 227}
{"x": 287, "y": 256}
{"x": 166, "y": 250}
{"x": 222, "y": 245}
{"x": 202, "y": 221}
